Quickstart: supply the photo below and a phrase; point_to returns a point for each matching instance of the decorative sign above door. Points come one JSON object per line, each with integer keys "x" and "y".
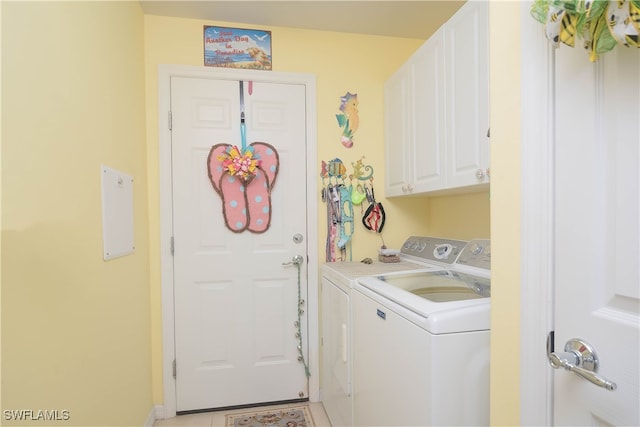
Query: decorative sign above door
{"x": 237, "y": 48}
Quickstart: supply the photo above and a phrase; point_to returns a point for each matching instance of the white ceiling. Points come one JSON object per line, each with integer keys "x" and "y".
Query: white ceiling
{"x": 408, "y": 19}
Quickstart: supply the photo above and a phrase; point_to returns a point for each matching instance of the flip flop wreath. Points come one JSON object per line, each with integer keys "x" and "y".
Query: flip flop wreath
{"x": 243, "y": 178}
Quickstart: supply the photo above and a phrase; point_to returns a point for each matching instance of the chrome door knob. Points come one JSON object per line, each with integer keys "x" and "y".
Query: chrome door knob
{"x": 296, "y": 260}
{"x": 580, "y": 358}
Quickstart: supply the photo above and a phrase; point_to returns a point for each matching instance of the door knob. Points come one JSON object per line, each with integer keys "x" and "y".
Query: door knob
{"x": 580, "y": 358}
{"x": 296, "y": 260}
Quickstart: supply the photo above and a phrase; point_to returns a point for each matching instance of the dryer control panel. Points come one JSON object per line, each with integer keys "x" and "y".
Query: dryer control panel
{"x": 477, "y": 253}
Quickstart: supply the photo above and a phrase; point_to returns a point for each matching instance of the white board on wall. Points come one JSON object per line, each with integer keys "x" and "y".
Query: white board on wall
{"x": 117, "y": 213}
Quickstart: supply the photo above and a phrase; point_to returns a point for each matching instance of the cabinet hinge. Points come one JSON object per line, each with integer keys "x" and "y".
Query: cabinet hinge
{"x": 170, "y": 121}
{"x": 172, "y": 246}
{"x": 174, "y": 368}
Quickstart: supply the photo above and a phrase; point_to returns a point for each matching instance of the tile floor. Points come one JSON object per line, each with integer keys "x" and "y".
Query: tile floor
{"x": 217, "y": 419}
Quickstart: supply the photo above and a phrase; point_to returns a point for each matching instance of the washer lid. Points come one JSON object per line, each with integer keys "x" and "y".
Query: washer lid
{"x": 447, "y": 301}
{"x": 442, "y": 286}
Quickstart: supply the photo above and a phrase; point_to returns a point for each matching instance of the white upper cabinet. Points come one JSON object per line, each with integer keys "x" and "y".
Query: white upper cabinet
{"x": 428, "y": 160}
{"x": 397, "y": 130}
{"x": 437, "y": 109}
{"x": 467, "y": 98}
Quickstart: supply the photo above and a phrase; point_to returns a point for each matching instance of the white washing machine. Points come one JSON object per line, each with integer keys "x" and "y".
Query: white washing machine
{"x": 338, "y": 279}
{"x": 421, "y": 345}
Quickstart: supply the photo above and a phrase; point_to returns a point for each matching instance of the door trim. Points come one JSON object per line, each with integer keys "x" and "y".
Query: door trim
{"x": 537, "y": 117}
{"x": 165, "y": 73}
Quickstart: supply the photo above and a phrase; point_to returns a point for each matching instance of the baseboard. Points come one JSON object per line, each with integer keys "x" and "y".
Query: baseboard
{"x": 159, "y": 412}
{"x": 151, "y": 418}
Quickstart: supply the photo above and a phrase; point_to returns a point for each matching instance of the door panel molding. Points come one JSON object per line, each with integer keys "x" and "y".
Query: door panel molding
{"x": 165, "y": 73}
{"x": 537, "y": 233}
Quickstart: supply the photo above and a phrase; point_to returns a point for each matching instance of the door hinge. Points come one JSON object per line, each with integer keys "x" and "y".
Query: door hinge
{"x": 172, "y": 246}
{"x": 170, "y": 121}
{"x": 174, "y": 368}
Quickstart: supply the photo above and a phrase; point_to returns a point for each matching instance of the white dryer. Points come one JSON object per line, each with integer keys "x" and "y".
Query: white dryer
{"x": 418, "y": 254}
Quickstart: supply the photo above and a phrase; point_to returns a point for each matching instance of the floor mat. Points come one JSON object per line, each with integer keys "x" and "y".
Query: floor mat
{"x": 296, "y": 416}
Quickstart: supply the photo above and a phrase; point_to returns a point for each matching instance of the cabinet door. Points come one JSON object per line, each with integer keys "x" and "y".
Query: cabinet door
{"x": 397, "y": 131}
{"x": 467, "y": 57}
{"x": 428, "y": 154}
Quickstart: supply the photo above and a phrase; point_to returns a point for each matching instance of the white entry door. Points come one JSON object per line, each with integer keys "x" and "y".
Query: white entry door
{"x": 597, "y": 233}
{"x": 236, "y": 304}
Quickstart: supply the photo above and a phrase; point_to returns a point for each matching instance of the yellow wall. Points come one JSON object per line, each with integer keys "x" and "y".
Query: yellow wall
{"x": 463, "y": 216}
{"x": 0, "y": 208}
{"x": 341, "y": 62}
{"x": 75, "y": 329}
{"x": 505, "y": 212}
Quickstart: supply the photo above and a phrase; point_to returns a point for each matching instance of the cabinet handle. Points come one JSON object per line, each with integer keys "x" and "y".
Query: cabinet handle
{"x": 409, "y": 188}
{"x": 480, "y": 174}
{"x": 344, "y": 343}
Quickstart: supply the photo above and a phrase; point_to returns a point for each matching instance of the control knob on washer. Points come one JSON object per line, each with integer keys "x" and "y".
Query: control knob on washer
{"x": 442, "y": 251}
{"x": 476, "y": 249}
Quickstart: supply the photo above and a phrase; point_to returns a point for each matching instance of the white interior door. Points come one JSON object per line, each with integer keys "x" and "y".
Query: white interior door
{"x": 597, "y": 232}
{"x": 236, "y": 304}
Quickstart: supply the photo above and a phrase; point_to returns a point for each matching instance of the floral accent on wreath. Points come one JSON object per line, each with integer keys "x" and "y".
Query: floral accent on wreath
{"x": 242, "y": 165}
{"x": 602, "y": 24}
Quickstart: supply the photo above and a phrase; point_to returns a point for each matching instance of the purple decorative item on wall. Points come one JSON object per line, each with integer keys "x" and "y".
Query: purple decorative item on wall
{"x": 348, "y": 118}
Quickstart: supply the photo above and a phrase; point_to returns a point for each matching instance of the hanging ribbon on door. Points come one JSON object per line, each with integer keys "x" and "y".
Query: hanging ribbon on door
{"x": 243, "y": 126}
{"x": 243, "y": 177}
{"x": 298, "y": 323}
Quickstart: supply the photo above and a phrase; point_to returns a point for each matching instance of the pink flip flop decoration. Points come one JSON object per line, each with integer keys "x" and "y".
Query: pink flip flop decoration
{"x": 244, "y": 181}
